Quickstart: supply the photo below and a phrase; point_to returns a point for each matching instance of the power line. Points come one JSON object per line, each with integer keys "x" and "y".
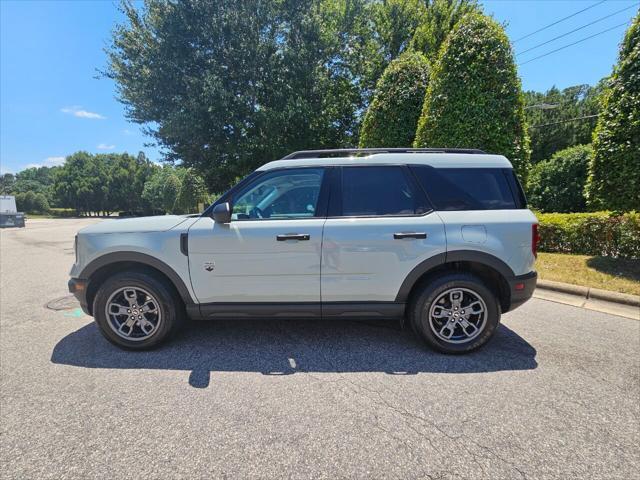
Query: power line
{"x": 572, "y": 44}
{"x": 579, "y": 28}
{"x": 542, "y": 106}
{"x": 558, "y": 21}
{"x": 564, "y": 121}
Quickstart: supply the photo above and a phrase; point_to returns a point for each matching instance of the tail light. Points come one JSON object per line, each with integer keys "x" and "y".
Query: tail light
{"x": 535, "y": 239}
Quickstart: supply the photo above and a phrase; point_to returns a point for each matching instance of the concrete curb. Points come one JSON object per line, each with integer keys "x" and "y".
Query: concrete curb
{"x": 588, "y": 292}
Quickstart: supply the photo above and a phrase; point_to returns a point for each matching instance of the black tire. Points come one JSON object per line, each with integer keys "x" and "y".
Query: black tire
{"x": 431, "y": 291}
{"x": 169, "y": 305}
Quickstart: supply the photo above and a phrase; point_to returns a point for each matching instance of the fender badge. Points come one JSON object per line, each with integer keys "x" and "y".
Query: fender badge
{"x": 209, "y": 266}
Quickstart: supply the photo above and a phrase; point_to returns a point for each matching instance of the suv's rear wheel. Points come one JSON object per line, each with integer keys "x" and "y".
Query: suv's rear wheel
{"x": 455, "y": 313}
{"x": 136, "y": 311}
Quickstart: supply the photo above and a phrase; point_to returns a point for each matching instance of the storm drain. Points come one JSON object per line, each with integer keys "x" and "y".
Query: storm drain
{"x": 68, "y": 302}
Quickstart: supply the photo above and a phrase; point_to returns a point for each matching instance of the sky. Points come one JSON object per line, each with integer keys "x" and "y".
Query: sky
{"x": 53, "y": 101}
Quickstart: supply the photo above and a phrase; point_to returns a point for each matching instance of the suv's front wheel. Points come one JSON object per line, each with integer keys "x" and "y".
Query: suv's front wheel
{"x": 455, "y": 313}
{"x": 136, "y": 311}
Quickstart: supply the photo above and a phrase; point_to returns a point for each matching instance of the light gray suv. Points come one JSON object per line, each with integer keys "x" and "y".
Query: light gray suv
{"x": 440, "y": 237}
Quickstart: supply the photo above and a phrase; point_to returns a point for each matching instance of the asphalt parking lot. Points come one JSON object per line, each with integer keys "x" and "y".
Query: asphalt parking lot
{"x": 556, "y": 394}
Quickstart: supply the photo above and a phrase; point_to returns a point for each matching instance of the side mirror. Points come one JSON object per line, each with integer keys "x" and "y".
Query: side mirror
{"x": 222, "y": 213}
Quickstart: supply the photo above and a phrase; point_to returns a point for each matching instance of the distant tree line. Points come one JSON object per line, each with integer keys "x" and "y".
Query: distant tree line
{"x": 32, "y": 187}
{"x": 105, "y": 183}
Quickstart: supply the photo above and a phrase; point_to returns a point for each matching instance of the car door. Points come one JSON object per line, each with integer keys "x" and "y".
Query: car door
{"x": 270, "y": 251}
{"x": 379, "y": 228}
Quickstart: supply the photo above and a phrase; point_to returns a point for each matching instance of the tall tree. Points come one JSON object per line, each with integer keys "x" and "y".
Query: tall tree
{"x": 82, "y": 183}
{"x": 392, "y": 117}
{"x": 162, "y": 188}
{"x": 226, "y": 85}
{"x": 614, "y": 173}
{"x": 559, "y": 119}
{"x": 102, "y": 183}
{"x": 7, "y": 181}
{"x": 440, "y": 18}
{"x": 231, "y": 84}
{"x": 474, "y": 99}
{"x": 35, "y": 179}
{"x": 193, "y": 191}
{"x": 395, "y": 23}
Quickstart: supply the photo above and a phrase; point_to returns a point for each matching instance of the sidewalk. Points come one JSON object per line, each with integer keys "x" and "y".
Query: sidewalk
{"x": 613, "y": 303}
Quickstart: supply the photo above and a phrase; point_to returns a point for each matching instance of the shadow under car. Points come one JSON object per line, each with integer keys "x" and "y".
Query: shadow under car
{"x": 285, "y": 347}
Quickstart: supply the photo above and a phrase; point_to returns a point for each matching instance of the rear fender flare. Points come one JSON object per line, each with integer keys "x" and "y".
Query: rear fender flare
{"x": 450, "y": 257}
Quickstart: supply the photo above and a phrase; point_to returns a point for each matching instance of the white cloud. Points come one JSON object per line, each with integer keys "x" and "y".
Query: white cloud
{"x": 126, "y": 131}
{"x": 48, "y": 162}
{"x": 104, "y": 146}
{"x": 77, "y": 111}
{"x": 54, "y": 161}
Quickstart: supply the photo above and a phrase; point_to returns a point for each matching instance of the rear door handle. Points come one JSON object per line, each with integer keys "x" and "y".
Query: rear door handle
{"x": 293, "y": 236}
{"x": 401, "y": 235}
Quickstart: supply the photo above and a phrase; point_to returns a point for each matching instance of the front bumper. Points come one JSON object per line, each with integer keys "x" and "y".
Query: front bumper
{"x": 521, "y": 288}
{"x": 78, "y": 286}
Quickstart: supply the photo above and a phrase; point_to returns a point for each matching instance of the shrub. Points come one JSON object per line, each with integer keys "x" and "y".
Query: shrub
{"x": 31, "y": 202}
{"x": 392, "y": 117}
{"x": 614, "y": 173}
{"x": 557, "y": 184}
{"x": 474, "y": 99}
{"x": 598, "y": 233}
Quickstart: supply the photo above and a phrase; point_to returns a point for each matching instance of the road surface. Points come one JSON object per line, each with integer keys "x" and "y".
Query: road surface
{"x": 556, "y": 394}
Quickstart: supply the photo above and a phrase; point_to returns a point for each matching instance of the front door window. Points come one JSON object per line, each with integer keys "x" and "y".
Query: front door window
{"x": 282, "y": 194}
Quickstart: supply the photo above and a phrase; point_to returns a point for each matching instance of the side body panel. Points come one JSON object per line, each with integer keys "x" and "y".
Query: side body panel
{"x": 361, "y": 260}
{"x": 244, "y": 262}
{"x": 505, "y": 234}
{"x": 163, "y": 247}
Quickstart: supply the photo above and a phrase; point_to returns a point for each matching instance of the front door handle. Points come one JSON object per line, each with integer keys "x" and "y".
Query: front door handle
{"x": 401, "y": 235}
{"x": 293, "y": 236}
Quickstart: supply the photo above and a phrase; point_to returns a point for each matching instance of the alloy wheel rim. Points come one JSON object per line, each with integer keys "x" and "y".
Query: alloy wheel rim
{"x": 133, "y": 313}
{"x": 458, "y": 315}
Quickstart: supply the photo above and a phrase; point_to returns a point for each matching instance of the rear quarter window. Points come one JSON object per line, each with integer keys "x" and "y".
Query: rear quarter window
{"x": 470, "y": 188}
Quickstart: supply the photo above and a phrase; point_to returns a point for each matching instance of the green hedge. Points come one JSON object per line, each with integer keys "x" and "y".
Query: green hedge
{"x": 557, "y": 184}
{"x": 599, "y": 233}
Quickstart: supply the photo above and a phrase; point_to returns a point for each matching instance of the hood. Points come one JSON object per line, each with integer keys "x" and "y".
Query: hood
{"x": 159, "y": 223}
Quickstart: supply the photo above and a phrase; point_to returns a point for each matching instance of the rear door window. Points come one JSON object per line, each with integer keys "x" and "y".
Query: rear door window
{"x": 468, "y": 188}
{"x": 379, "y": 191}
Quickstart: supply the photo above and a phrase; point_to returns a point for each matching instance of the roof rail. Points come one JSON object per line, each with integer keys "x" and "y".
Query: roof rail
{"x": 373, "y": 151}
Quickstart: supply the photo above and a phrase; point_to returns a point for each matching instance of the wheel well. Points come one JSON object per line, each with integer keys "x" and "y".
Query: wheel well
{"x": 103, "y": 273}
{"x": 490, "y": 276}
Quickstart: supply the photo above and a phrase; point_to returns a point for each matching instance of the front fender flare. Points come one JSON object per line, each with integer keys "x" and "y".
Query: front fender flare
{"x": 144, "y": 259}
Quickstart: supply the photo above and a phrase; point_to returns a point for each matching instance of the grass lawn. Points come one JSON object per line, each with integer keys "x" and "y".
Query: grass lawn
{"x": 616, "y": 274}
{"x": 53, "y": 213}
{"x": 38, "y": 215}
